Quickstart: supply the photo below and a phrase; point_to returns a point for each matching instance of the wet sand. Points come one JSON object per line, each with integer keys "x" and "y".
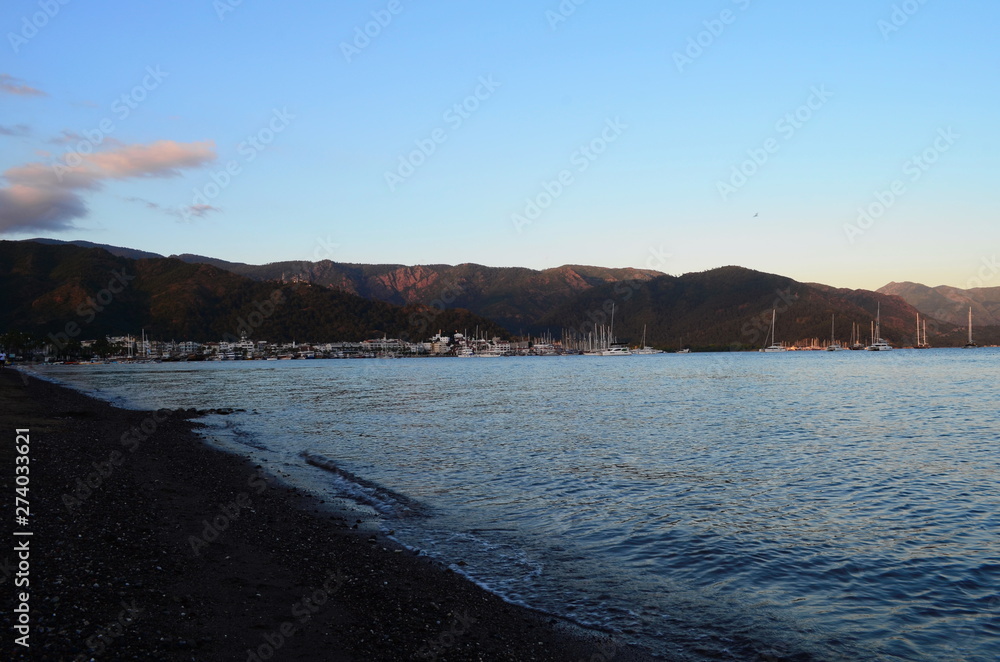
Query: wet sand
{"x": 150, "y": 544}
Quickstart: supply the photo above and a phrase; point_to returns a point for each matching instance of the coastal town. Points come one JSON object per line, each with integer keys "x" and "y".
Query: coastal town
{"x": 141, "y": 348}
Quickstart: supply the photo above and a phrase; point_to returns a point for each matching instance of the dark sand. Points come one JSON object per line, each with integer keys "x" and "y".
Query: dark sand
{"x": 114, "y": 575}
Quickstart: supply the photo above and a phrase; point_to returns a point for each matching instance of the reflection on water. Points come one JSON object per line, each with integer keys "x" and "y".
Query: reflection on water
{"x": 730, "y": 506}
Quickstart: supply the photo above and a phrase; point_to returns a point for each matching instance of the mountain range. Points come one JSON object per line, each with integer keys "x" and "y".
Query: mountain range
{"x": 201, "y": 298}
{"x": 67, "y": 293}
{"x": 950, "y": 304}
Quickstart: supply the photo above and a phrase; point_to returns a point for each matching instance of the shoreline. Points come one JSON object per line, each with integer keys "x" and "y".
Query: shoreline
{"x": 150, "y": 543}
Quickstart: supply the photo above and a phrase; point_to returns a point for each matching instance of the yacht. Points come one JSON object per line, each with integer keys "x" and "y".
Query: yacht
{"x": 834, "y": 346}
{"x": 921, "y": 335}
{"x": 774, "y": 346}
{"x": 970, "y": 344}
{"x": 856, "y": 337}
{"x": 646, "y": 349}
{"x": 878, "y": 344}
{"x": 613, "y": 350}
{"x": 605, "y": 347}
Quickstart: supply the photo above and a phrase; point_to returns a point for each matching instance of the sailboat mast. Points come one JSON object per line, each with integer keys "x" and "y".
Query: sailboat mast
{"x": 611, "y": 332}
{"x": 970, "y": 325}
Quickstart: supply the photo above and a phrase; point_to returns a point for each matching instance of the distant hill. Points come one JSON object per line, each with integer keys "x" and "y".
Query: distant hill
{"x": 131, "y": 253}
{"x": 87, "y": 293}
{"x": 46, "y": 285}
{"x": 730, "y": 308}
{"x": 951, "y": 304}
{"x": 512, "y": 296}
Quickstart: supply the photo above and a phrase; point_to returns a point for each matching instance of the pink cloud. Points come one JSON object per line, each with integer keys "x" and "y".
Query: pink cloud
{"x": 164, "y": 158}
{"x": 15, "y": 86}
{"x": 48, "y": 197}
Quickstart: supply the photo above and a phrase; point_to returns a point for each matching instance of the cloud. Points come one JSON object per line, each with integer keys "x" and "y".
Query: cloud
{"x": 164, "y": 158}
{"x": 15, "y": 86}
{"x": 46, "y": 197}
{"x": 186, "y": 214}
{"x": 16, "y": 130}
{"x": 26, "y": 208}
{"x": 199, "y": 211}
{"x": 70, "y": 137}
{"x": 66, "y": 137}
{"x": 143, "y": 201}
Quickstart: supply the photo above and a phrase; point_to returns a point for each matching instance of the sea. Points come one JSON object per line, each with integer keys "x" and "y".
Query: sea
{"x": 730, "y": 506}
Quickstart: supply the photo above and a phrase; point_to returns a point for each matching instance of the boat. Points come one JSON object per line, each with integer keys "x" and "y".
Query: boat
{"x": 834, "y": 346}
{"x": 856, "y": 337}
{"x": 646, "y": 349}
{"x": 921, "y": 335}
{"x": 606, "y": 348}
{"x": 612, "y": 350}
{"x": 878, "y": 343}
{"x": 970, "y": 344}
{"x": 774, "y": 346}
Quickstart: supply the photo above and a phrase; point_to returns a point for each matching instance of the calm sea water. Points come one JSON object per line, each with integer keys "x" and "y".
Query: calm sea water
{"x": 799, "y": 506}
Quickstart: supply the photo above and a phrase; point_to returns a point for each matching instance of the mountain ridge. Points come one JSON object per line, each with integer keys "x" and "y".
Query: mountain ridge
{"x": 65, "y": 292}
{"x": 723, "y": 308}
{"x": 950, "y": 304}
{"x": 487, "y": 291}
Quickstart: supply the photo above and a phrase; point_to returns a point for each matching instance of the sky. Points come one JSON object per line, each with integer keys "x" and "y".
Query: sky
{"x": 850, "y": 143}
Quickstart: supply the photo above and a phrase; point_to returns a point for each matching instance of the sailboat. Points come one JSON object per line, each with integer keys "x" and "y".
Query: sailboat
{"x": 646, "y": 349}
{"x": 774, "y": 346}
{"x": 921, "y": 335}
{"x": 606, "y": 348}
{"x": 970, "y": 344}
{"x": 856, "y": 336}
{"x": 878, "y": 344}
{"x": 834, "y": 346}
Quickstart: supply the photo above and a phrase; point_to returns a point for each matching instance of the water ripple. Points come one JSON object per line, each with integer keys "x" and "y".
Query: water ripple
{"x": 713, "y": 507}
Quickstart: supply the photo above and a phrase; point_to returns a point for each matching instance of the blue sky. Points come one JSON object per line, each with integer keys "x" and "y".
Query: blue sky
{"x": 513, "y": 134}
